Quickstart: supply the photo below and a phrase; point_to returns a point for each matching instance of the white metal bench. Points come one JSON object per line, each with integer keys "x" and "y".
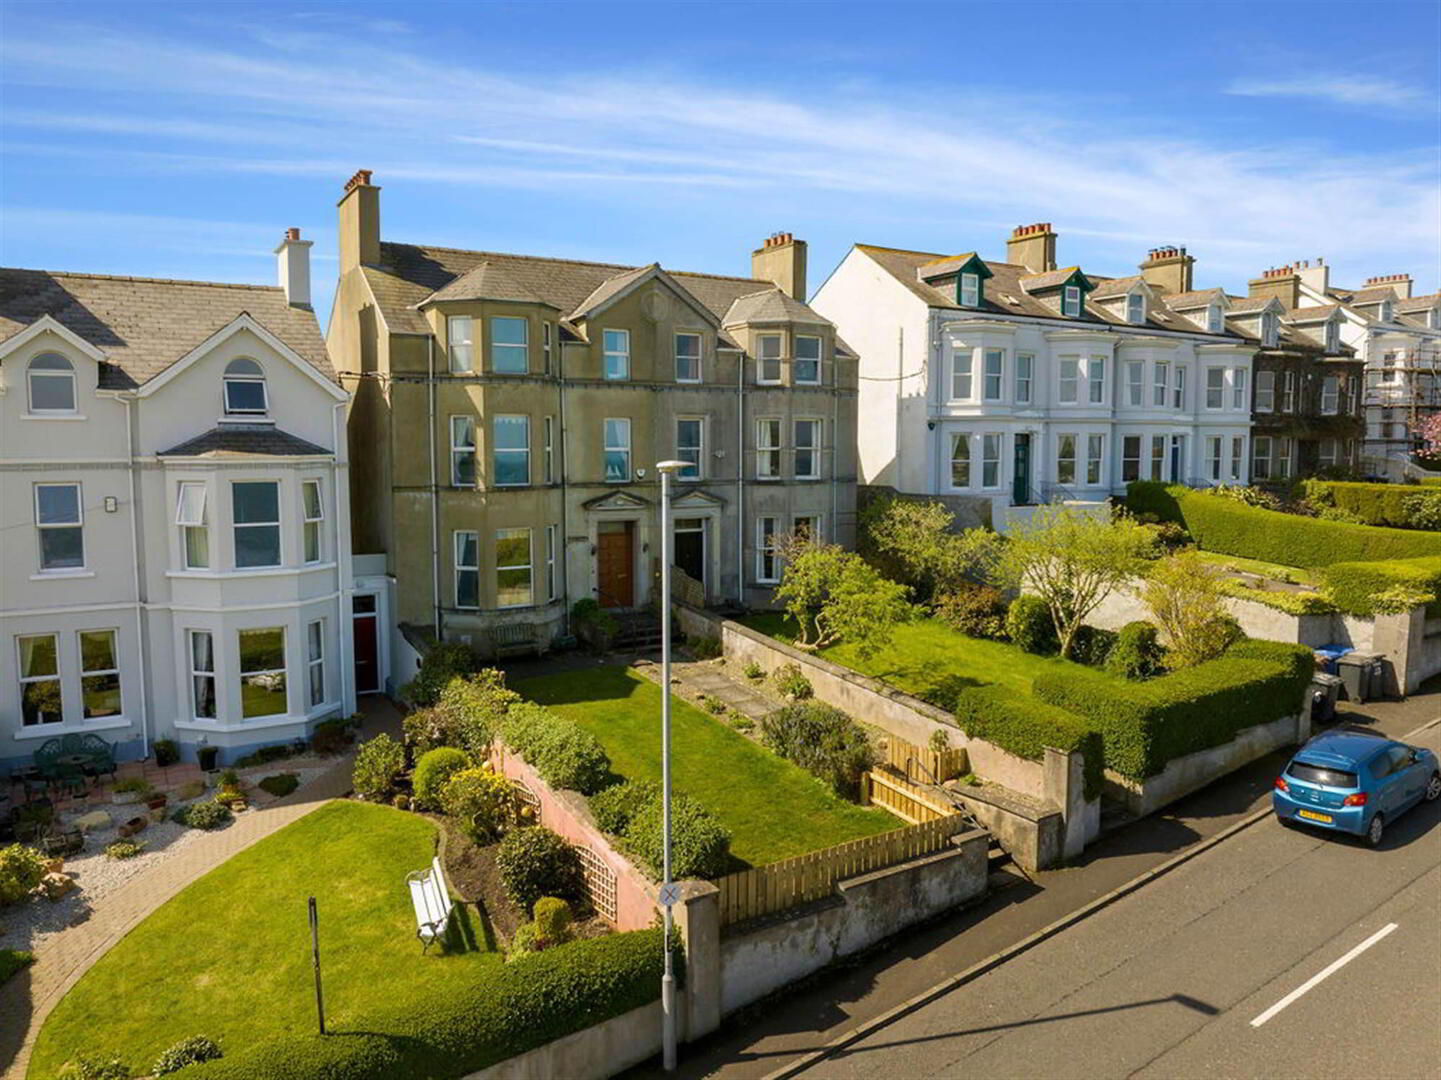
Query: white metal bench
{"x": 431, "y": 900}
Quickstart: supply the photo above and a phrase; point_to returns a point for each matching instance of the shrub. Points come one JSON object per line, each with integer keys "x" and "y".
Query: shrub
{"x": 86, "y": 1067}
{"x": 700, "y": 845}
{"x": 552, "y": 921}
{"x": 703, "y": 648}
{"x": 753, "y": 671}
{"x": 466, "y": 715}
{"x": 137, "y": 784}
{"x": 715, "y": 706}
{"x": 433, "y": 771}
{"x": 280, "y": 785}
{"x": 265, "y": 755}
{"x": 535, "y": 862}
{"x": 203, "y": 815}
{"x": 1373, "y": 504}
{"x": 1025, "y": 727}
{"x": 975, "y": 610}
{"x": 790, "y": 683}
{"x": 21, "y": 869}
{"x": 13, "y": 961}
{"x": 1030, "y": 626}
{"x": 822, "y": 740}
{"x": 1293, "y": 603}
{"x": 1337, "y": 513}
{"x": 446, "y": 1029}
{"x": 440, "y": 665}
{"x": 740, "y": 721}
{"x": 1364, "y": 588}
{"x": 593, "y": 624}
{"x": 481, "y": 799}
{"x": 378, "y": 762}
{"x": 124, "y": 849}
{"x": 189, "y": 1051}
{"x": 1185, "y": 601}
{"x": 1092, "y": 645}
{"x": 1145, "y": 725}
{"x": 564, "y": 753}
{"x": 523, "y": 942}
{"x": 613, "y": 807}
{"x": 1137, "y": 652}
{"x": 1423, "y": 510}
{"x": 166, "y": 752}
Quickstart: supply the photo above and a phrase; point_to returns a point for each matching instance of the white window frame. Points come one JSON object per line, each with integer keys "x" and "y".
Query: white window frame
{"x": 1261, "y": 457}
{"x": 695, "y": 471}
{"x": 961, "y": 460}
{"x": 550, "y": 582}
{"x": 457, "y": 544}
{"x": 548, "y": 449}
{"x": 1062, "y": 458}
{"x": 32, "y": 372}
{"x": 768, "y": 560}
{"x": 1238, "y": 456}
{"x": 315, "y": 663}
{"x": 1332, "y": 336}
{"x": 993, "y": 376}
{"x": 1160, "y": 384}
{"x": 103, "y": 672}
{"x": 283, "y": 670}
{"x": 190, "y": 518}
{"x": 509, "y": 348}
{"x": 312, "y": 521}
{"x": 1327, "y": 460}
{"x": 1130, "y": 463}
{"x": 814, "y": 525}
{"x": 41, "y": 527}
{"x": 1178, "y": 391}
{"x": 682, "y": 360}
{"x": 1238, "y": 388}
{"x": 461, "y": 449}
{"x": 1135, "y": 308}
{"x": 1288, "y": 392}
{"x": 1025, "y": 363}
{"x": 547, "y": 331}
{"x": 496, "y": 450}
{"x": 768, "y": 367}
{"x": 970, "y": 292}
{"x": 1215, "y": 387}
{"x": 1265, "y": 391}
{"x": 1330, "y": 395}
{"x": 768, "y": 451}
{"x": 528, "y": 566}
{"x": 1386, "y": 311}
{"x": 1095, "y": 459}
{"x": 236, "y": 526}
{"x": 618, "y": 445}
{"x": 1270, "y": 329}
{"x": 1068, "y": 382}
{"x": 1285, "y": 448}
{"x": 1214, "y": 453}
{"x": 816, "y": 448}
{"x": 198, "y": 673}
{"x": 1096, "y": 380}
{"x": 238, "y": 373}
{"x": 1071, "y": 301}
{"x": 1158, "y": 457}
{"x": 617, "y": 351}
{"x": 460, "y": 344}
{"x": 798, "y": 360}
{"x": 992, "y": 445}
{"x": 962, "y": 369}
{"x": 1215, "y": 319}
{"x": 30, "y": 680}
{"x": 1136, "y": 383}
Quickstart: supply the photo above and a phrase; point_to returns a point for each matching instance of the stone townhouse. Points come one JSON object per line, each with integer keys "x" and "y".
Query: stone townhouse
{"x": 175, "y": 506}
{"x": 509, "y": 412}
{"x": 1002, "y": 384}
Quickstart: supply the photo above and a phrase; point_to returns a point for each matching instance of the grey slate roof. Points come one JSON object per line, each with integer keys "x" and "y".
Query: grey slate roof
{"x": 143, "y": 325}
{"x": 248, "y": 439}
{"x": 1108, "y": 290}
{"x": 770, "y": 305}
{"x": 1186, "y": 301}
{"x": 488, "y": 281}
{"x": 1315, "y": 313}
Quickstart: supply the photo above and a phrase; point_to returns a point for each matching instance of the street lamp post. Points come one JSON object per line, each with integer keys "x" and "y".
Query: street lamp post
{"x": 667, "y": 892}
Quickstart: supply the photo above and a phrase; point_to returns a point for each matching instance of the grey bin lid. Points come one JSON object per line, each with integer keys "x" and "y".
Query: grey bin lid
{"x": 1322, "y": 678}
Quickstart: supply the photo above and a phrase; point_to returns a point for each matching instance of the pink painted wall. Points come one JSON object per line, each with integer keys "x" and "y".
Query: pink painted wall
{"x": 567, "y": 814}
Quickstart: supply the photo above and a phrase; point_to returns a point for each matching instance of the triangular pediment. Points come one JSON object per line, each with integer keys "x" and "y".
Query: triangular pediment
{"x": 697, "y": 500}
{"x": 616, "y": 500}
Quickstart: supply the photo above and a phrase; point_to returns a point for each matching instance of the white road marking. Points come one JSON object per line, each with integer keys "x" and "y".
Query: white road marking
{"x": 1330, "y": 969}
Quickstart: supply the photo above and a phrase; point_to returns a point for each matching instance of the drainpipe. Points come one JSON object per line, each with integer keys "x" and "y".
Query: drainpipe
{"x": 558, "y": 449}
{"x": 741, "y": 478}
{"x": 434, "y": 489}
{"x": 130, "y": 406}
{"x": 835, "y": 442}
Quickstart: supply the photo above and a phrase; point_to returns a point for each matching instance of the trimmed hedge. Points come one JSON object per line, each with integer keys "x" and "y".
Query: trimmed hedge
{"x": 1375, "y": 504}
{"x": 633, "y": 811}
{"x": 1145, "y": 725}
{"x": 564, "y": 753}
{"x": 1233, "y": 528}
{"x": 436, "y": 1035}
{"x": 1025, "y": 727}
{"x": 1355, "y": 586}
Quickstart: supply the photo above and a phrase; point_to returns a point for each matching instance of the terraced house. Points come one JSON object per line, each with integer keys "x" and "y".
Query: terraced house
{"x": 1002, "y": 384}
{"x": 175, "y": 529}
{"x": 509, "y": 411}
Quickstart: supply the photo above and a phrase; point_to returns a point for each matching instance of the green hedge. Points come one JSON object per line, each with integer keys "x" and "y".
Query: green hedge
{"x": 1145, "y": 725}
{"x": 1025, "y": 727}
{"x": 563, "y": 752}
{"x": 1233, "y": 528}
{"x": 1355, "y": 586}
{"x": 510, "y": 1009}
{"x": 1375, "y": 504}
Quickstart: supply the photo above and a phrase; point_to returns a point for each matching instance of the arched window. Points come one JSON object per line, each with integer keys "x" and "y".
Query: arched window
{"x": 244, "y": 388}
{"x": 52, "y": 384}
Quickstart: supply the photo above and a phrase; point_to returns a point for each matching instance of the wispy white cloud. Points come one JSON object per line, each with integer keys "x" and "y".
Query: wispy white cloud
{"x": 1362, "y": 91}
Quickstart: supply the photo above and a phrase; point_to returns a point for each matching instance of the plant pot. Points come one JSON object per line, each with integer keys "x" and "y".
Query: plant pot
{"x": 124, "y": 798}
{"x": 206, "y": 755}
{"x": 157, "y": 802}
{"x": 134, "y": 825}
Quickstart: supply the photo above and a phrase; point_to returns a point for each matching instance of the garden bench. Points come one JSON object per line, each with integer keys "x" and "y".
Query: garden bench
{"x": 431, "y": 900}
{"x": 517, "y": 638}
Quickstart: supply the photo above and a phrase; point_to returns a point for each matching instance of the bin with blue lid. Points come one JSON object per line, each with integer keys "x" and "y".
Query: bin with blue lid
{"x": 1329, "y": 654}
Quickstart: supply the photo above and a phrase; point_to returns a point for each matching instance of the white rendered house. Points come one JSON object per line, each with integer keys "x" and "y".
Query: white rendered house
{"x": 175, "y": 560}
{"x": 1018, "y": 383}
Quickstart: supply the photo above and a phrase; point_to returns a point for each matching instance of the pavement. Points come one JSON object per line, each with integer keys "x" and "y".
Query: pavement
{"x": 777, "y": 1031}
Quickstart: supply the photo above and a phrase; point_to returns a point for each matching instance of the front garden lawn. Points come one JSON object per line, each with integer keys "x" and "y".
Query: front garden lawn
{"x": 229, "y": 956}
{"x": 928, "y": 659}
{"x": 773, "y": 809}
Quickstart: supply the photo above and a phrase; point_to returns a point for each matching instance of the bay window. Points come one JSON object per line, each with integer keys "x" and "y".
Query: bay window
{"x": 312, "y": 509}
{"x": 262, "y": 673}
{"x": 467, "y": 569}
{"x": 513, "y": 586}
{"x": 1066, "y": 459}
{"x": 255, "y": 517}
{"x": 462, "y": 451}
{"x": 509, "y": 345}
{"x": 510, "y": 454}
{"x": 960, "y": 459}
{"x": 202, "y": 674}
{"x": 808, "y": 360}
{"x": 460, "y": 344}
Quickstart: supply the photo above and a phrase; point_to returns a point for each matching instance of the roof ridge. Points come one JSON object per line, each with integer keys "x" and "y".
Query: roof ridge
{"x": 901, "y": 251}
{"x": 143, "y": 280}
{"x": 514, "y": 255}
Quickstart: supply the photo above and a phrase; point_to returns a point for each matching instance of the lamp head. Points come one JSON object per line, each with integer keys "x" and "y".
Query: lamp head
{"x": 672, "y": 466}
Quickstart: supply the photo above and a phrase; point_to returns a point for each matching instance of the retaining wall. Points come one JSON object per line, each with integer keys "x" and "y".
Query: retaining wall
{"x": 592, "y": 1053}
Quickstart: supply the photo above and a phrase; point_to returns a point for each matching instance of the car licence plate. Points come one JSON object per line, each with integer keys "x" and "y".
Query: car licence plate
{"x": 1311, "y": 815}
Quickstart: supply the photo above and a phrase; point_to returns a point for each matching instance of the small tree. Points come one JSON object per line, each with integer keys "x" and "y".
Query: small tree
{"x": 1185, "y": 599}
{"x": 913, "y": 542}
{"x": 1428, "y": 430}
{"x": 834, "y": 595}
{"x": 1072, "y": 561}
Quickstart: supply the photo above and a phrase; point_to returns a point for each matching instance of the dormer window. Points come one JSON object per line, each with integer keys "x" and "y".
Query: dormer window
{"x": 52, "y": 384}
{"x": 1071, "y": 301}
{"x": 1333, "y": 337}
{"x": 244, "y": 388}
{"x": 1136, "y": 308}
{"x": 1270, "y": 331}
{"x": 1214, "y": 320}
{"x": 1388, "y": 309}
{"x": 970, "y": 295}
{"x": 1433, "y": 318}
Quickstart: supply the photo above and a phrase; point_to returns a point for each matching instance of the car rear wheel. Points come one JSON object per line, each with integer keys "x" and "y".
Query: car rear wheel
{"x": 1374, "y": 831}
{"x": 1433, "y": 787}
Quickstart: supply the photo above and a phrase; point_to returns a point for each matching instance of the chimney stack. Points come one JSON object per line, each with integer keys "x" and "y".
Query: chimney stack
{"x": 359, "y": 223}
{"x": 1282, "y": 282}
{"x": 1314, "y": 274}
{"x": 781, "y": 259}
{"x": 293, "y": 263}
{"x": 1032, "y": 246}
{"x": 1168, "y": 269}
{"x": 1400, "y": 284}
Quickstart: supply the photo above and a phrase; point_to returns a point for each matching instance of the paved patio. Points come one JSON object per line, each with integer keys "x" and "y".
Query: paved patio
{"x": 27, "y": 998}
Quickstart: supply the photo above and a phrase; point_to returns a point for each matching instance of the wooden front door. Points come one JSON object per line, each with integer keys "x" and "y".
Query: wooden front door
{"x": 615, "y": 564}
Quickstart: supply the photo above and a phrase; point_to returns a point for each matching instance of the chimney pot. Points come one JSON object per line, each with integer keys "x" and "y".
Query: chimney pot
{"x": 292, "y": 234}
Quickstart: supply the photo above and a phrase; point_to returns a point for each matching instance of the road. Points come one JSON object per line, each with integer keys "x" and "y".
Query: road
{"x": 1184, "y": 977}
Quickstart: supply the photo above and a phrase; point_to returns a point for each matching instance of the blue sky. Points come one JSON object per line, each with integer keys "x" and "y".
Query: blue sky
{"x": 179, "y": 140}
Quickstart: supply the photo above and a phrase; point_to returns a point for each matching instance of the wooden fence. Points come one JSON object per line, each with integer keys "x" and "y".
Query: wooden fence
{"x": 908, "y": 801}
{"x": 921, "y": 763}
{"x": 766, "y": 890}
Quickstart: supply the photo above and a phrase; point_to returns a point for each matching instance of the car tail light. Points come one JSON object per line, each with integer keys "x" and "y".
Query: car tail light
{"x": 1358, "y": 799}
{"x": 1281, "y": 784}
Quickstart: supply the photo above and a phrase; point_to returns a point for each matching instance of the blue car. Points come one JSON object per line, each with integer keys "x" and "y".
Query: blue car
{"x": 1354, "y": 783}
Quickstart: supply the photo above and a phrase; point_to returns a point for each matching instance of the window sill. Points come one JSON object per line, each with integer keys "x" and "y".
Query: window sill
{"x": 71, "y": 727}
{"x": 53, "y": 416}
{"x": 260, "y": 723}
{"x": 249, "y": 572}
{"x": 61, "y": 575}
